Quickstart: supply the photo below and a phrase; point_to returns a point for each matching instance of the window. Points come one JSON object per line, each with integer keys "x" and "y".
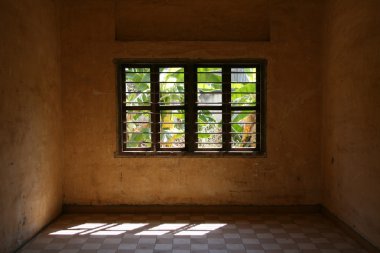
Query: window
{"x": 191, "y": 108}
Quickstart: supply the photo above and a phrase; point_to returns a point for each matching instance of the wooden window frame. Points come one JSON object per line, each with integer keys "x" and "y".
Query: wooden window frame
{"x": 190, "y": 107}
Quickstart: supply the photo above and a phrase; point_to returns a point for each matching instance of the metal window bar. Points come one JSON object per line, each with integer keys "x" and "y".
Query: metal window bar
{"x": 226, "y": 117}
{"x": 191, "y": 115}
{"x": 259, "y": 115}
{"x": 155, "y": 88}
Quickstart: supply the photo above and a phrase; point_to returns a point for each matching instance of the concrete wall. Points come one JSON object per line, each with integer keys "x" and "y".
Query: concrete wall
{"x": 198, "y": 20}
{"x": 351, "y": 115}
{"x": 290, "y": 174}
{"x": 30, "y": 115}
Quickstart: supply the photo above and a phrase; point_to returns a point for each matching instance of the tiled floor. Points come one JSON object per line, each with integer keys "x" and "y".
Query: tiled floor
{"x": 192, "y": 233}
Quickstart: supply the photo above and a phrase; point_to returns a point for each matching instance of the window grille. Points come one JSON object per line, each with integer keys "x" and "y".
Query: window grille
{"x": 195, "y": 108}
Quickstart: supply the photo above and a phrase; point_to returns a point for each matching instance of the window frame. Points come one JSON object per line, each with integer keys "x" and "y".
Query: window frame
{"x": 190, "y": 94}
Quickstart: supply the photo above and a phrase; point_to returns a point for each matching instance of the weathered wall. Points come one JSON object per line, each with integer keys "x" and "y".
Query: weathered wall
{"x": 351, "y": 116}
{"x": 198, "y": 20}
{"x": 30, "y": 114}
{"x": 290, "y": 174}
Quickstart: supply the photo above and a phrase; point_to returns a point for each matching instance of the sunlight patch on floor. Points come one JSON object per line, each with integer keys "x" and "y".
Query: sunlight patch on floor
{"x": 104, "y": 229}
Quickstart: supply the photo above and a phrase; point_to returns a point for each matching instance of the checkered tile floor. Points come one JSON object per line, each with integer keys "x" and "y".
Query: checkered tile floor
{"x": 120, "y": 233}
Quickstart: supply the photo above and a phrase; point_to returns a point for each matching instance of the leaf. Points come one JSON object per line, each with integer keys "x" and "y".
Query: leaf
{"x": 204, "y": 136}
{"x": 209, "y": 77}
{"x": 238, "y": 117}
{"x": 167, "y": 118}
{"x": 205, "y": 118}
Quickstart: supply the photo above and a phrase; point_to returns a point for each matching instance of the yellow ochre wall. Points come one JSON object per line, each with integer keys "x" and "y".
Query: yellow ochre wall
{"x": 351, "y": 115}
{"x": 30, "y": 119}
{"x": 290, "y": 174}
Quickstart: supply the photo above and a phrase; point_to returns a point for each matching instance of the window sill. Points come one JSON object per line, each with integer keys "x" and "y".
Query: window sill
{"x": 209, "y": 154}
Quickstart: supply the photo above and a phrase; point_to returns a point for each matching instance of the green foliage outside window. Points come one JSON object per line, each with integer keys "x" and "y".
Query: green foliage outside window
{"x": 172, "y": 92}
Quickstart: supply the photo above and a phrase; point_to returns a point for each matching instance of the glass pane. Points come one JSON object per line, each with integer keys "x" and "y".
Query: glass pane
{"x": 172, "y": 99}
{"x": 137, "y": 77}
{"x": 137, "y": 87}
{"x": 172, "y": 87}
{"x": 172, "y": 140}
{"x": 138, "y": 127}
{"x": 243, "y": 70}
{"x": 247, "y": 141}
{"x": 239, "y": 129}
{"x": 172, "y": 75}
{"x": 209, "y": 77}
{"x": 239, "y": 99}
{"x": 208, "y": 98}
{"x": 172, "y": 129}
{"x": 212, "y": 70}
{"x": 243, "y": 87}
{"x": 209, "y": 94}
{"x": 243, "y": 78}
{"x": 137, "y": 94}
{"x": 137, "y": 70}
{"x": 137, "y": 99}
{"x": 138, "y": 116}
{"x": 172, "y": 93}
{"x": 169, "y": 128}
{"x": 243, "y": 94}
{"x": 243, "y": 129}
{"x": 139, "y": 140}
{"x": 175, "y": 116}
{"x": 243, "y": 117}
{"x": 243, "y": 75}
{"x": 209, "y": 129}
{"x": 203, "y": 127}
{"x": 209, "y": 87}
{"x": 209, "y": 116}
{"x": 172, "y": 69}
{"x": 211, "y": 141}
